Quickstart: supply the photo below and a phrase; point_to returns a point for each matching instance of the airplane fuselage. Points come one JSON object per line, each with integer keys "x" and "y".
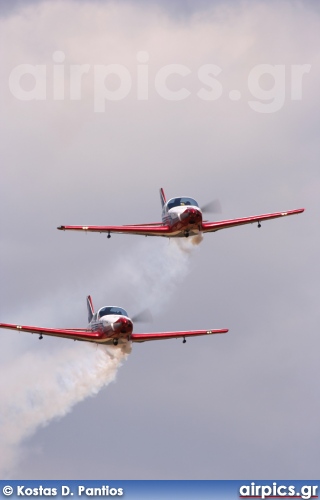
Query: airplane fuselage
{"x": 184, "y": 219}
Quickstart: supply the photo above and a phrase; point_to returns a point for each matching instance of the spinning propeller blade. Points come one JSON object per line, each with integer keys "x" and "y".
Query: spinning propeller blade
{"x": 144, "y": 316}
{"x": 213, "y": 207}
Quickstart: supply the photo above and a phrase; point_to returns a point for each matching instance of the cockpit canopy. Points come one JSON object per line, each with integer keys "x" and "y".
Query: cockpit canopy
{"x": 178, "y": 202}
{"x": 112, "y": 310}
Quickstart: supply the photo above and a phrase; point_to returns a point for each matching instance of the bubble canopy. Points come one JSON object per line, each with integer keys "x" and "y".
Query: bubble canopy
{"x": 105, "y": 311}
{"x": 177, "y": 202}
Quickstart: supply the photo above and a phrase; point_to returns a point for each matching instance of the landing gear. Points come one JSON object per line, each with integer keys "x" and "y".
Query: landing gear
{"x": 40, "y": 336}
{"x": 115, "y": 341}
{"x": 109, "y": 235}
{"x": 186, "y": 233}
{"x": 184, "y": 340}
{"x": 259, "y": 225}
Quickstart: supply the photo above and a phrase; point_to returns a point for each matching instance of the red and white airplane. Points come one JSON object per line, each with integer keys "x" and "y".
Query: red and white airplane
{"x": 181, "y": 217}
{"x": 109, "y": 325}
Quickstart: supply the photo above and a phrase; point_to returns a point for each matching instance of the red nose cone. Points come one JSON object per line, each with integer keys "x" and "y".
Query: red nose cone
{"x": 124, "y": 325}
{"x": 192, "y": 214}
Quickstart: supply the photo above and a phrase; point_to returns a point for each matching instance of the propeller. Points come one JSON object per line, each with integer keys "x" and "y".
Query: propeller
{"x": 144, "y": 316}
{"x": 213, "y": 207}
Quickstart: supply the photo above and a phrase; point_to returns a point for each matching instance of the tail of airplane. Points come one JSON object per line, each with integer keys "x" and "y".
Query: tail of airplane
{"x": 162, "y": 197}
{"x": 90, "y": 308}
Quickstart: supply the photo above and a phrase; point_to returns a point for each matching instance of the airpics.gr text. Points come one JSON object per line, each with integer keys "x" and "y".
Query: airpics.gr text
{"x": 172, "y": 82}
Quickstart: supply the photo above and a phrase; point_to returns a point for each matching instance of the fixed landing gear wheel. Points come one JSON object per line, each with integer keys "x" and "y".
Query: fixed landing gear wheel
{"x": 186, "y": 233}
{"x": 115, "y": 341}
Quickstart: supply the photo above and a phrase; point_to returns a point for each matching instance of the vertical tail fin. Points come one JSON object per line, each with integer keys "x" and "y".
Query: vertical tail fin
{"x": 162, "y": 197}
{"x": 90, "y": 308}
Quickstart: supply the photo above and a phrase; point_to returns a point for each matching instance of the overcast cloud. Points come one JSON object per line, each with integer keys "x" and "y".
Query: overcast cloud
{"x": 240, "y": 405}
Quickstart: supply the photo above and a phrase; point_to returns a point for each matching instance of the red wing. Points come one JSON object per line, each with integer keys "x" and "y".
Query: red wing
{"x": 154, "y": 229}
{"x": 215, "y": 226}
{"x": 142, "y": 337}
{"x": 76, "y": 334}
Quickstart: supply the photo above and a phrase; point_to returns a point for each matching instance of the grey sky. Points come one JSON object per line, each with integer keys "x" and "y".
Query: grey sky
{"x": 241, "y": 405}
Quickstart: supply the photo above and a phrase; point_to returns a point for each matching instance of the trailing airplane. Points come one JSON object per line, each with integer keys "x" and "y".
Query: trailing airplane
{"x": 109, "y": 325}
{"x": 181, "y": 217}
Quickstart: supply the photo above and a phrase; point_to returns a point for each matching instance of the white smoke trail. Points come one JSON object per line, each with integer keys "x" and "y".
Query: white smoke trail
{"x": 35, "y": 390}
{"x": 153, "y": 271}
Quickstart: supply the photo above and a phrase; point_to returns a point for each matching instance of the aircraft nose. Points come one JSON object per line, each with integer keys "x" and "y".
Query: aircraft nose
{"x": 124, "y": 325}
{"x": 191, "y": 213}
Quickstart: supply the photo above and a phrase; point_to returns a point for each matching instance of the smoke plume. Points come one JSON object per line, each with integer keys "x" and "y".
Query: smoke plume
{"x": 152, "y": 272}
{"x": 34, "y": 390}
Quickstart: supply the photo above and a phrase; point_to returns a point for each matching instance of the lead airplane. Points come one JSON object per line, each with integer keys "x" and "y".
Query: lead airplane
{"x": 181, "y": 217}
{"x": 109, "y": 325}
